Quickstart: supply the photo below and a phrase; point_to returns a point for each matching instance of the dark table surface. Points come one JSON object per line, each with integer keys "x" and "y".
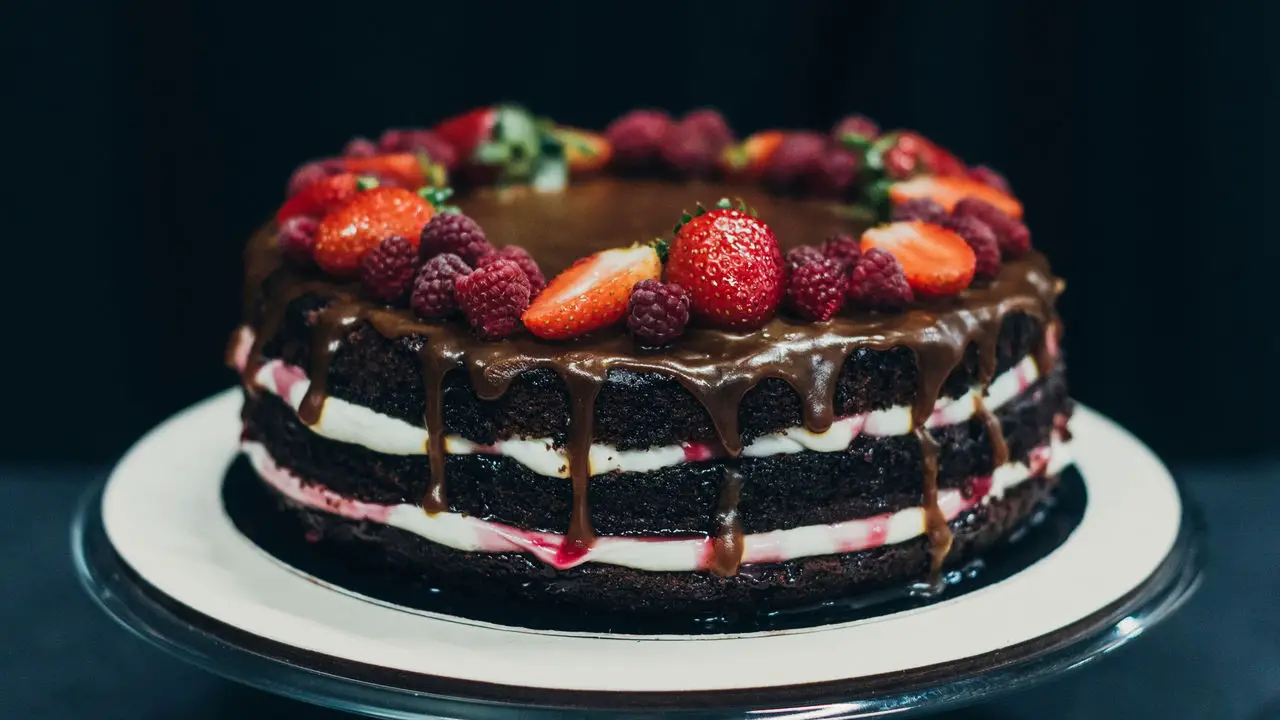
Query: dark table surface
{"x": 1218, "y": 658}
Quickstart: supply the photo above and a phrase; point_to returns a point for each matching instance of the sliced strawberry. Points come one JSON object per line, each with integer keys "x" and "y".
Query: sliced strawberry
{"x": 319, "y": 197}
{"x": 936, "y": 260}
{"x": 408, "y": 170}
{"x": 748, "y": 159}
{"x": 465, "y": 132}
{"x": 585, "y": 151}
{"x": 947, "y": 191}
{"x": 352, "y": 231}
{"x": 592, "y": 294}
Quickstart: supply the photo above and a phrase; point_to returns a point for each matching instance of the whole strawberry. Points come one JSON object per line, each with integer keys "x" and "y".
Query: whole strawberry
{"x": 388, "y": 269}
{"x": 636, "y": 137}
{"x": 657, "y": 312}
{"x": 450, "y": 232}
{"x": 492, "y": 298}
{"x": 816, "y": 290}
{"x": 433, "y": 288}
{"x": 350, "y": 232}
{"x": 902, "y": 154}
{"x": 980, "y": 236}
{"x": 878, "y": 282}
{"x": 729, "y": 263}
{"x": 521, "y": 257}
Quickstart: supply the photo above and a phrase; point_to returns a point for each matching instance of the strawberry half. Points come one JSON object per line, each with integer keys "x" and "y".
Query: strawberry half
{"x": 465, "y": 132}
{"x": 585, "y": 151}
{"x": 319, "y": 198}
{"x": 349, "y": 233}
{"x": 592, "y": 294}
{"x": 748, "y": 159}
{"x": 936, "y": 260}
{"x": 729, "y": 262}
{"x": 408, "y": 170}
{"x": 947, "y": 191}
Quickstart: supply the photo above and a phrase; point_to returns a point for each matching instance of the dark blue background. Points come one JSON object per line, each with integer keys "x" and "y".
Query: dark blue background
{"x": 145, "y": 140}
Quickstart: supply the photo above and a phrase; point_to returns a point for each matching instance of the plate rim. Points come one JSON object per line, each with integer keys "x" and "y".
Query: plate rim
{"x": 1027, "y": 663}
{"x": 1182, "y": 553}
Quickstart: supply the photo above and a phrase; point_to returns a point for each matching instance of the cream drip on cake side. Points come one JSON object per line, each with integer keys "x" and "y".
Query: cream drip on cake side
{"x": 471, "y": 534}
{"x": 349, "y": 422}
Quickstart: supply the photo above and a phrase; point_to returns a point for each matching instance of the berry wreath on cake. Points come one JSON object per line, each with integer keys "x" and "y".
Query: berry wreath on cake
{"x": 838, "y": 372}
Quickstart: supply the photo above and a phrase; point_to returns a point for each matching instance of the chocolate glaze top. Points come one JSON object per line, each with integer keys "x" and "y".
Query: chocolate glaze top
{"x": 716, "y": 366}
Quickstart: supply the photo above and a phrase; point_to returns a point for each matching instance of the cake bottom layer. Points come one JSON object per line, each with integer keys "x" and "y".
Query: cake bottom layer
{"x": 419, "y": 569}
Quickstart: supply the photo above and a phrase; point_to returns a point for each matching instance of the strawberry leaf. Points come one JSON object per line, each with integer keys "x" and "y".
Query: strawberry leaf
{"x": 436, "y": 196}
{"x": 661, "y": 246}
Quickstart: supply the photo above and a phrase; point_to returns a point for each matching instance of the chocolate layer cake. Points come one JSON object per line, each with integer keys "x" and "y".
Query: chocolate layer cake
{"x": 796, "y": 456}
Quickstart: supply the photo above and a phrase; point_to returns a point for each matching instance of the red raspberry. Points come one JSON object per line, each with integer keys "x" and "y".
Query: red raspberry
{"x": 878, "y": 282}
{"x": 433, "y": 288}
{"x": 688, "y": 150}
{"x": 795, "y": 160}
{"x": 306, "y": 174}
{"x": 360, "y": 147}
{"x": 802, "y": 255}
{"x": 991, "y": 178}
{"x": 493, "y": 297}
{"x": 1014, "y": 237}
{"x": 858, "y": 125}
{"x": 920, "y": 209}
{"x": 657, "y": 312}
{"x": 712, "y": 125}
{"x": 841, "y": 248}
{"x": 816, "y": 290}
{"x": 980, "y": 236}
{"x": 297, "y": 239}
{"x": 416, "y": 140}
{"x": 521, "y": 257}
{"x": 636, "y": 136}
{"x": 835, "y": 171}
{"x": 454, "y": 233}
{"x": 388, "y": 270}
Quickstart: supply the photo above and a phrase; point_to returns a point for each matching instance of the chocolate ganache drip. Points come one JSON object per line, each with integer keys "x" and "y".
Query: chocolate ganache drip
{"x": 716, "y": 367}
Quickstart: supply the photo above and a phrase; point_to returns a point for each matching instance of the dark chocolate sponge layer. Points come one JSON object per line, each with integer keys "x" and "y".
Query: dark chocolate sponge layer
{"x": 633, "y": 410}
{"x": 418, "y": 566}
{"x": 876, "y": 475}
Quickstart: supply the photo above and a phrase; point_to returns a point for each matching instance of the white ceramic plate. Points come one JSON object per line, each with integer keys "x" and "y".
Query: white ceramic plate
{"x": 163, "y": 515}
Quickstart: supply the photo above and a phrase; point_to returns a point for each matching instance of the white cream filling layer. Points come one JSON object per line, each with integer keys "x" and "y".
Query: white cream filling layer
{"x": 351, "y": 423}
{"x": 462, "y": 532}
